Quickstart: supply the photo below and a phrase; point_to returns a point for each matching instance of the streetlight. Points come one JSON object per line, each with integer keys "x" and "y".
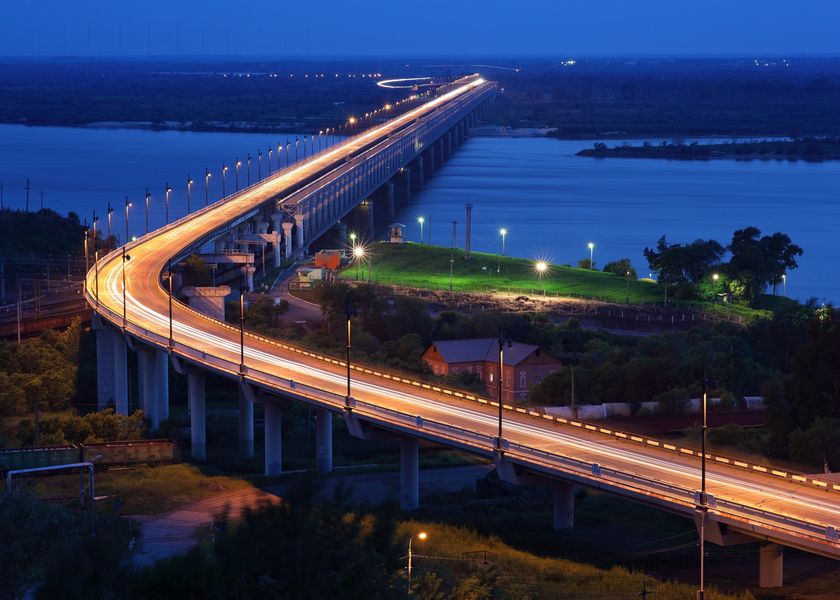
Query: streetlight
{"x": 704, "y": 507}
{"x": 421, "y": 220}
{"x": 503, "y": 233}
{"x": 148, "y": 196}
{"x": 125, "y": 258}
{"x": 288, "y": 151}
{"x": 127, "y": 206}
{"x": 189, "y": 187}
{"x": 541, "y": 267}
{"x": 349, "y": 312}
{"x": 297, "y": 141}
{"x": 207, "y": 176}
{"x": 269, "y": 160}
{"x": 259, "y": 164}
{"x": 110, "y": 210}
{"x": 627, "y": 291}
{"x": 359, "y": 254}
{"x": 420, "y": 536}
{"x": 95, "y": 261}
{"x": 167, "y": 189}
{"x": 236, "y": 180}
{"x": 171, "y": 337}
{"x": 591, "y": 247}
{"x": 242, "y": 323}
{"x": 320, "y": 133}
{"x": 784, "y": 284}
{"x": 715, "y": 278}
{"x": 352, "y": 238}
{"x": 224, "y": 172}
{"x": 502, "y": 342}
{"x": 249, "y": 169}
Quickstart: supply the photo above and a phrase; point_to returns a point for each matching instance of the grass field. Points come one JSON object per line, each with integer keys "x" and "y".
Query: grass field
{"x": 415, "y": 265}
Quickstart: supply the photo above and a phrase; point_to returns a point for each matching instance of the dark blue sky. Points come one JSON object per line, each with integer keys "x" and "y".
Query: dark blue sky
{"x": 430, "y": 27}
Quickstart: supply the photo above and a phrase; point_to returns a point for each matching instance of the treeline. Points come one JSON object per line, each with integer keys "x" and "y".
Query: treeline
{"x": 41, "y": 232}
{"x": 811, "y": 149}
{"x": 697, "y": 270}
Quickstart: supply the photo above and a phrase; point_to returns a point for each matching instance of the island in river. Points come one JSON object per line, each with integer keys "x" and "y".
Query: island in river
{"x": 813, "y": 149}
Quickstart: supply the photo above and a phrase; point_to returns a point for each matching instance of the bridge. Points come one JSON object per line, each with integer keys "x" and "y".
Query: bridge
{"x": 130, "y": 290}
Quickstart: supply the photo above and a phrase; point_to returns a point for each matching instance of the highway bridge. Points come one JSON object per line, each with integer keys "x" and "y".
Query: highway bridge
{"x": 129, "y": 289}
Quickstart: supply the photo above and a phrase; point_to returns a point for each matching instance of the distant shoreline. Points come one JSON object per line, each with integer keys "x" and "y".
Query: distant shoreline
{"x": 804, "y": 149}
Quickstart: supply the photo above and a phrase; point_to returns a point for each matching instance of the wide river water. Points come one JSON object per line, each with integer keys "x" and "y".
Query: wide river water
{"x": 551, "y": 202}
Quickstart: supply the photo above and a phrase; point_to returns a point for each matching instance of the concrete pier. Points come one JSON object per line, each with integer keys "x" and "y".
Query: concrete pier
{"x": 208, "y": 300}
{"x": 147, "y": 365}
{"x": 287, "y": 238}
{"x": 770, "y": 569}
{"x": 246, "y": 427}
{"x": 563, "y": 501}
{"x": 162, "y": 383}
{"x": 409, "y": 474}
{"x": 323, "y": 441}
{"x": 299, "y": 220}
{"x": 277, "y": 224}
{"x": 273, "y": 438}
{"x": 198, "y": 422}
{"x": 120, "y": 354}
{"x": 105, "y": 391}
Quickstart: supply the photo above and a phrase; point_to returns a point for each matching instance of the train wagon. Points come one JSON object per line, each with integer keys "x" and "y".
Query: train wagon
{"x": 42, "y": 456}
{"x": 130, "y": 452}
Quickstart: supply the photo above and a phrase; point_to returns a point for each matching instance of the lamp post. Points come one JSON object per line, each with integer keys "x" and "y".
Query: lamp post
{"x": 288, "y": 151}
{"x": 420, "y": 536}
{"x": 242, "y": 324}
{"x": 148, "y": 196}
{"x": 704, "y": 508}
{"x": 359, "y": 254}
{"x": 627, "y": 290}
{"x": 224, "y": 173}
{"x": 125, "y": 258}
{"x": 269, "y": 160}
{"x": 189, "y": 188}
{"x": 95, "y": 261}
{"x": 297, "y": 141}
{"x": 207, "y": 176}
{"x": 110, "y": 211}
{"x": 784, "y": 284}
{"x": 591, "y": 247}
{"x": 421, "y": 220}
{"x": 349, "y": 314}
{"x": 167, "y": 189}
{"x": 540, "y": 267}
{"x": 259, "y": 165}
{"x": 171, "y": 336}
{"x": 503, "y": 233}
{"x": 320, "y": 133}
{"x": 237, "y": 164}
{"x": 502, "y": 342}
{"x": 279, "y": 150}
{"x": 127, "y": 206}
{"x": 715, "y": 278}
{"x": 248, "y": 184}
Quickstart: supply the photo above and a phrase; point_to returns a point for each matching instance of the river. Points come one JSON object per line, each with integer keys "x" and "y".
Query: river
{"x": 551, "y": 202}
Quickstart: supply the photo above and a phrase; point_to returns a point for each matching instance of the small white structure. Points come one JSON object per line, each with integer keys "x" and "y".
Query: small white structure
{"x": 395, "y": 233}
{"x": 307, "y": 276}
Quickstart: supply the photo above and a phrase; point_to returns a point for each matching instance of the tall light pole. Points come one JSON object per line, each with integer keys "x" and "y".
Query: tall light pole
{"x": 591, "y": 247}
{"x": 110, "y": 211}
{"x": 269, "y": 160}
{"x": 207, "y": 176}
{"x": 238, "y": 164}
{"x": 167, "y": 190}
{"x": 95, "y": 261}
{"x": 784, "y": 284}
{"x": 224, "y": 173}
{"x": 452, "y": 254}
{"x": 320, "y": 133}
{"x": 171, "y": 332}
{"x": 259, "y": 164}
{"x": 125, "y": 258}
{"x": 279, "y": 150}
{"x": 627, "y": 290}
{"x": 297, "y": 141}
{"x": 359, "y": 254}
{"x": 541, "y": 267}
{"x": 420, "y": 536}
{"x": 704, "y": 508}
{"x": 127, "y": 206}
{"x": 148, "y": 197}
{"x": 288, "y": 151}
{"x": 242, "y": 323}
{"x": 249, "y": 170}
{"x": 502, "y": 342}
{"x": 189, "y": 187}
{"x": 503, "y": 233}
{"x": 715, "y": 278}
{"x": 349, "y": 314}
{"x": 421, "y": 220}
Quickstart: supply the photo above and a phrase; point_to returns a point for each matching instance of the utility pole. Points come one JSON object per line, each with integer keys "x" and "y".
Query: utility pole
{"x": 469, "y": 208}
{"x": 452, "y": 254}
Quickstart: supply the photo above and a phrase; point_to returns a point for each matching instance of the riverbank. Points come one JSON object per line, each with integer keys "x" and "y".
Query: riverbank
{"x": 807, "y": 149}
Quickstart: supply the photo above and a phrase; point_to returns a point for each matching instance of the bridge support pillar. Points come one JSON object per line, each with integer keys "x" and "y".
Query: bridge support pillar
{"x": 273, "y": 437}
{"x": 208, "y": 299}
{"x": 299, "y": 218}
{"x": 120, "y": 354}
{"x": 323, "y": 441}
{"x": 147, "y": 368}
{"x": 276, "y": 222}
{"x": 104, "y": 363}
{"x": 389, "y": 195}
{"x": 770, "y": 568}
{"x": 287, "y": 237}
{"x": 249, "y": 278}
{"x": 246, "y": 426}
{"x": 198, "y": 425}
{"x": 409, "y": 474}
{"x": 162, "y": 384}
{"x": 564, "y": 505}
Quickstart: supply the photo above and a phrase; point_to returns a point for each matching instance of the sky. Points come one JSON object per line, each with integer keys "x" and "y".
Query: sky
{"x": 397, "y": 28}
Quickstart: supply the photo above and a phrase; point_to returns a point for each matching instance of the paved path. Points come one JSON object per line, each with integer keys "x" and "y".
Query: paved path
{"x": 166, "y": 535}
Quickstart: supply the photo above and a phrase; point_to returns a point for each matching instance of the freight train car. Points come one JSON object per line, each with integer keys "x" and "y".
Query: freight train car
{"x": 102, "y": 455}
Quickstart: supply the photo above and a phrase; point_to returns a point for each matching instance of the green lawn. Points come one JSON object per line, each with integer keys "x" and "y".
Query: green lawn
{"x": 413, "y": 265}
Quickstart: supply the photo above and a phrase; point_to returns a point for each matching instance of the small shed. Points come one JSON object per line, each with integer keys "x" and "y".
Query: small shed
{"x": 395, "y": 233}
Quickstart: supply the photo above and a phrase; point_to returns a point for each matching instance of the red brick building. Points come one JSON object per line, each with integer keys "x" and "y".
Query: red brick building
{"x": 524, "y": 364}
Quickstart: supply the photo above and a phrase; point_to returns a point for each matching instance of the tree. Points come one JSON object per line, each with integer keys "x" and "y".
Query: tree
{"x": 621, "y": 267}
{"x": 757, "y": 261}
{"x": 684, "y": 264}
